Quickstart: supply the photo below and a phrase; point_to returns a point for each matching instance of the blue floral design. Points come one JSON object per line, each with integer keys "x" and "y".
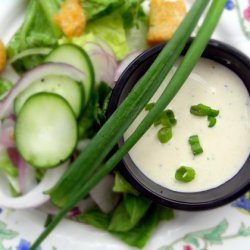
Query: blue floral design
{"x": 1, "y": 210}
{"x": 243, "y": 203}
{"x": 230, "y": 5}
{"x": 25, "y": 245}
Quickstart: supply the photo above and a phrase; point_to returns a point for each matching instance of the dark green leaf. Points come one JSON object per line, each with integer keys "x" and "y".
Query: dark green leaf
{"x": 94, "y": 114}
{"x": 96, "y": 218}
{"x": 165, "y": 213}
{"x": 122, "y": 186}
{"x": 136, "y": 207}
{"x": 139, "y": 235}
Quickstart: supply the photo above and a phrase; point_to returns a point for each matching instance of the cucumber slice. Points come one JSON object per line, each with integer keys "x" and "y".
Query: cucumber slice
{"x": 46, "y": 130}
{"x": 77, "y": 57}
{"x": 64, "y": 86}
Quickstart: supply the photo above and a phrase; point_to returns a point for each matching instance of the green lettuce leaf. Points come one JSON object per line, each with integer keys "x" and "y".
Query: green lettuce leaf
{"x": 95, "y": 9}
{"x": 5, "y": 86}
{"x": 110, "y": 29}
{"x": 94, "y": 114}
{"x": 128, "y": 213}
{"x": 122, "y": 186}
{"x": 37, "y": 30}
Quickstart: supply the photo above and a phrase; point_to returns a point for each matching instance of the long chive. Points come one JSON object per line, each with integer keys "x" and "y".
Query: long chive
{"x": 99, "y": 147}
{"x": 177, "y": 81}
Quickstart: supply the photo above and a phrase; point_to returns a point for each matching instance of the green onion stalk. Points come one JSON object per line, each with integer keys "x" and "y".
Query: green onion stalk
{"x": 85, "y": 171}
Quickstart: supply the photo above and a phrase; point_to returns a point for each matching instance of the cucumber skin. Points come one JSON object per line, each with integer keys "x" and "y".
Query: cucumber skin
{"x": 91, "y": 72}
{"x": 76, "y": 135}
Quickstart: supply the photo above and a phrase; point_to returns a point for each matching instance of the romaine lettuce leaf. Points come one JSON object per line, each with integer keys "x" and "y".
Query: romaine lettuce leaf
{"x": 38, "y": 30}
{"x": 95, "y": 9}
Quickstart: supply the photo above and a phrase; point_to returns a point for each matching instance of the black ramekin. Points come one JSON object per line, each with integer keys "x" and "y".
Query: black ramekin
{"x": 225, "y": 193}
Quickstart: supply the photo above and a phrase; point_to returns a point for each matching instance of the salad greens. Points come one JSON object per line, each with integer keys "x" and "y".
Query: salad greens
{"x": 133, "y": 220}
{"x": 94, "y": 114}
{"x": 38, "y": 30}
{"x": 5, "y": 86}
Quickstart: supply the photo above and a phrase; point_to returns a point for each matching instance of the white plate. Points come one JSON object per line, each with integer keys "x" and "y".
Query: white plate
{"x": 224, "y": 228}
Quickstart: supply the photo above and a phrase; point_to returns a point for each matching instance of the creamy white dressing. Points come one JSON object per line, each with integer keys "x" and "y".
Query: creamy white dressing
{"x": 226, "y": 146}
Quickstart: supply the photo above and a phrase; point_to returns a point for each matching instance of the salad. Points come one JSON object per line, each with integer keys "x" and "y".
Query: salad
{"x": 57, "y": 75}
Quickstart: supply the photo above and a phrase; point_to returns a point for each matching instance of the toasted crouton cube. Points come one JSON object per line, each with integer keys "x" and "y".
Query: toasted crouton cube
{"x": 165, "y": 17}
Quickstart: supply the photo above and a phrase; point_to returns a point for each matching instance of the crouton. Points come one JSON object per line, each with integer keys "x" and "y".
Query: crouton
{"x": 71, "y": 18}
{"x": 165, "y": 17}
{"x": 2, "y": 56}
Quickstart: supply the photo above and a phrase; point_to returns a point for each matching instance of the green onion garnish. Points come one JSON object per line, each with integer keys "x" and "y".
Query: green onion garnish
{"x": 149, "y": 106}
{"x": 203, "y": 110}
{"x": 195, "y": 144}
{"x": 165, "y": 134}
{"x": 166, "y": 119}
{"x": 212, "y": 121}
{"x": 185, "y": 174}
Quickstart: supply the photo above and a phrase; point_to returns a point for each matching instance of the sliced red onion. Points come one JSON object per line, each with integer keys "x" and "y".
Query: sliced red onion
{"x": 7, "y": 133}
{"x": 36, "y": 196}
{"x": 106, "y": 47}
{"x": 105, "y": 65}
{"x": 10, "y": 74}
{"x": 81, "y": 207}
{"x": 124, "y": 64}
{"x": 26, "y": 173}
{"x": 103, "y": 195}
{"x": 30, "y": 52}
{"x": 6, "y": 105}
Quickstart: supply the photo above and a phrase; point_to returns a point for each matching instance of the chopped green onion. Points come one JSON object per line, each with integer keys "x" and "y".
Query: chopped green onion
{"x": 185, "y": 174}
{"x": 203, "y": 110}
{"x": 171, "y": 117}
{"x": 195, "y": 144}
{"x": 165, "y": 134}
{"x": 149, "y": 106}
{"x": 212, "y": 121}
{"x": 166, "y": 118}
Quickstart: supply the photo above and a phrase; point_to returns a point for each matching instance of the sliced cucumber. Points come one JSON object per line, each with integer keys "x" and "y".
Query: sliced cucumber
{"x": 77, "y": 57}
{"x": 46, "y": 130}
{"x": 61, "y": 85}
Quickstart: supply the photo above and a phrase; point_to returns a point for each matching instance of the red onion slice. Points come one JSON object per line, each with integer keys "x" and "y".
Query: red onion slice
{"x": 10, "y": 74}
{"x": 103, "y": 195}
{"x": 6, "y": 105}
{"x": 36, "y": 196}
{"x": 105, "y": 65}
{"x": 125, "y": 63}
{"x": 7, "y": 133}
{"x": 30, "y": 52}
